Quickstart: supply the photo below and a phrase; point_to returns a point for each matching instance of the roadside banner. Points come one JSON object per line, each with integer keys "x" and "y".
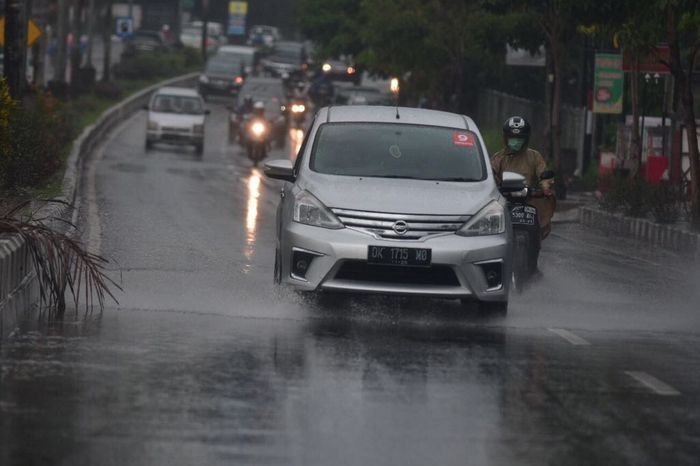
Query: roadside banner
{"x": 608, "y": 83}
{"x": 237, "y": 12}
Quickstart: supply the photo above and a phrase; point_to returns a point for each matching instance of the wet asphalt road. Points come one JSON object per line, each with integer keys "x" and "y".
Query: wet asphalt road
{"x": 205, "y": 361}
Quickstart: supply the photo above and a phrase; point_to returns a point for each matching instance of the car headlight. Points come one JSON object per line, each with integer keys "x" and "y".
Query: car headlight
{"x": 310, "y": 211}
{"x": 198, "y": 129}
{"x": 203, "y": 78}
{"x": 490, "y": 220}
{"x": 152, "y": 125}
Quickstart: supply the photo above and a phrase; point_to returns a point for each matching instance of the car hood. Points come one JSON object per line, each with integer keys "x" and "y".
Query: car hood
{"x": 175, "y": 119}
{"x": 400, "y": 195}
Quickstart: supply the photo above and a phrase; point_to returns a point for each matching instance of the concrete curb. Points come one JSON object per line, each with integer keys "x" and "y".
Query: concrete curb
{"x": 15, "y": 270}
{"x": 668, "y": 237}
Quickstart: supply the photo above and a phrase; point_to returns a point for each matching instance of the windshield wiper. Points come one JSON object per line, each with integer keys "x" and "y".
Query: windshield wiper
{"x": 457, "y": 179}
{"x": 399, "y": 177}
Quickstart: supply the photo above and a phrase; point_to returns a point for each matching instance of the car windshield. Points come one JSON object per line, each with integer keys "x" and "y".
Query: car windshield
{"x": 165, "y": 103}
{"x": 287, "y": 56}
{"x": 388, "y": 150}
{"x": 232, "y": 64}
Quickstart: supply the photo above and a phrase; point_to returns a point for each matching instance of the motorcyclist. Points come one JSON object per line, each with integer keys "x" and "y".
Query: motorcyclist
{"x": 246, "y": 106}
{"x": 299, "y": 92}
{"x": 517, "y": 157}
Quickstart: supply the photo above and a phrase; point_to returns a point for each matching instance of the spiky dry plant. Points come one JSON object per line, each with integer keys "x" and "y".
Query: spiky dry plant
{"x": 61, "y": 262}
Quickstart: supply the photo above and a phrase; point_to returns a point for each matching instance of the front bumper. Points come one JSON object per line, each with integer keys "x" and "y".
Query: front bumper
{"x": 462, "y": 262}
{"x": 174, "y": 137}
{"x": 219, "y": 89}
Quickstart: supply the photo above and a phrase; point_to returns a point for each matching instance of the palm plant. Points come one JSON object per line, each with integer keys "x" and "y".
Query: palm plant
{"x": 60, "y": 261}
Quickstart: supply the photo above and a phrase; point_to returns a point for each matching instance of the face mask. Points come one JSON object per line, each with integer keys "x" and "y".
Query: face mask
{"x": 515, "y": 144}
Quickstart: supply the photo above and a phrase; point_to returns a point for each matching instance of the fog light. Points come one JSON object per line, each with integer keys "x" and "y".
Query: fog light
{"x": 493, "y": 274}
{"x": 301, "y": 262}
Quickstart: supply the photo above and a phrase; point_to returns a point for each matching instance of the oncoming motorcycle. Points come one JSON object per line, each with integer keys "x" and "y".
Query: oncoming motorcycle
{"x": 257, "y": 139}
{"x": 524, "y": 217}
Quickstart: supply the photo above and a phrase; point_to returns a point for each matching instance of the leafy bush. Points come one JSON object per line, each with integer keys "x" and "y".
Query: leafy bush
{"x": 156, "y": 64}
{"x": 637, "y": 197}
{"x": 632, "y": 196}
{"x": 666, "y": 203}
{"x": 33, "y": 137}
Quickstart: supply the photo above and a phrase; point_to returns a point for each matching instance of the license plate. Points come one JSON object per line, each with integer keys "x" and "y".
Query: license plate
{"x": 523, "y": 215}
{"x": 414, "y": 257}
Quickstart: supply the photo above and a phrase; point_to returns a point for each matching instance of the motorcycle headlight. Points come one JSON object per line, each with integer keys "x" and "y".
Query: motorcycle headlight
{"x": 152, "y": 125}
{"x": 310, "y": 211}
{"x": 490, "y": 220}
{"x": 258, "y": 128}
{"x": 203, "y": 78}
{"x": 298, "y": 108}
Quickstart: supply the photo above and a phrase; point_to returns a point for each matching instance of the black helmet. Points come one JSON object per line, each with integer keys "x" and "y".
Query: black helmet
{"x": 516, "y": 127}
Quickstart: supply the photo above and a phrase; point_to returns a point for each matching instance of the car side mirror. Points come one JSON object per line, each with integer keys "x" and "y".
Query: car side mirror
{"x": 280, "y": 170}
{"x": 512, "y": 182}
{"x": 144, "y": 107}
{"x": 207, "y": 112}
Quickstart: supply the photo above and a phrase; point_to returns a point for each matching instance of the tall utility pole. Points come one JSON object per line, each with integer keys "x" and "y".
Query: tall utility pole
{"x": 76, "y": 29}
{"x": 61, "y": 32}
{"x": 90, "y": 32}
{"x": 15, "y": 47}
{"x": 205, "y": 28}
{"x": 107, "y": 42}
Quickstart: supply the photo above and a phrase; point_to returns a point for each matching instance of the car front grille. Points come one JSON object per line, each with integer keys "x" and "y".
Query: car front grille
{"x": 436, "y": 275}
{"x": 400, "y": 226}
{"x": 175, "y": 129}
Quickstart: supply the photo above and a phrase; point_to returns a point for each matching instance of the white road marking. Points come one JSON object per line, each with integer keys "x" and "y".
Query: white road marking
{"x": 652, "y": 383}
{"x": 570, "y": 337}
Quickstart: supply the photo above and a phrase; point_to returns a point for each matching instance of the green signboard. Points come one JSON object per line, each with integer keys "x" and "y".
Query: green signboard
{"x": 609, "y": 83}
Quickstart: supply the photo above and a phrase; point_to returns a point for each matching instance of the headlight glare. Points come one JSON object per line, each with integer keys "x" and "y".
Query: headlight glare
{"x": 310, "y": 211}
{"x": 490, "y": 220}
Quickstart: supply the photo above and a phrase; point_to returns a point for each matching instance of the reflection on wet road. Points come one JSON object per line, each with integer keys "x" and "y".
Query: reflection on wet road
{"x": 254, "y": 181}
{"x": 207, "y": 362}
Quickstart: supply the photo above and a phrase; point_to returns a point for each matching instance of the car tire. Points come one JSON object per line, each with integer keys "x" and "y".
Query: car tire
{"x": 148, "y": 145}
{"x": 199, "y": 148}
{"x": 277, "y": 279}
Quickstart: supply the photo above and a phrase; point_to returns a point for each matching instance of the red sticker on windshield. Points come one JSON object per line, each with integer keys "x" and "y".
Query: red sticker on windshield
{"x": 463, "y": 139}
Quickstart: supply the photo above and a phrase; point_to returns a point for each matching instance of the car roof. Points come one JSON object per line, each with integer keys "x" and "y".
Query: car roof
{"x": 386, "y": 114}
{"x": 183, "y": 91}
{"x": 238, "y": 49}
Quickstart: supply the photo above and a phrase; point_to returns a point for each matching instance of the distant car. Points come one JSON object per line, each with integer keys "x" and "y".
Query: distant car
{"x": 286, "y": 58}
{"x": 361, "y": 95}
{"x": 214, "y": 30}
{"x": 263, "y": 36}
{"x": 176, "y": 115}
{"x": 404, "y": 205}
{"x": 192, "y": 37}
{"x": 271, "y": 93}
{"x": 225, "y": 72}
{"x": 339, "y": 70}
{"x": 144, "y": 42}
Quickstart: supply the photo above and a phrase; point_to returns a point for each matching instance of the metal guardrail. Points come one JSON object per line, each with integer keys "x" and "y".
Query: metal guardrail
{"x": 668, "y": 237}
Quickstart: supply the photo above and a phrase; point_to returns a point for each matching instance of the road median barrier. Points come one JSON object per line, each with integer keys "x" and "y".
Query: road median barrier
{"x": 670, "y": 237}
{"x": 18, "y": 290}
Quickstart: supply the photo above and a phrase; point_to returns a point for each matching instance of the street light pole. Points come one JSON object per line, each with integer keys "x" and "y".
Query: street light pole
{"x": 15, "y": 48}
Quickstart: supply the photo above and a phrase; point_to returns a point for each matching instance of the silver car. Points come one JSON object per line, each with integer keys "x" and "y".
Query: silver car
{"x": 393, "y": 201}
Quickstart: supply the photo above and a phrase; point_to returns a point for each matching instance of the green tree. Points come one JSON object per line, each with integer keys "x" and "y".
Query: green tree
{"x": 681, "y": 19}
{"x": 335, "y": 25}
